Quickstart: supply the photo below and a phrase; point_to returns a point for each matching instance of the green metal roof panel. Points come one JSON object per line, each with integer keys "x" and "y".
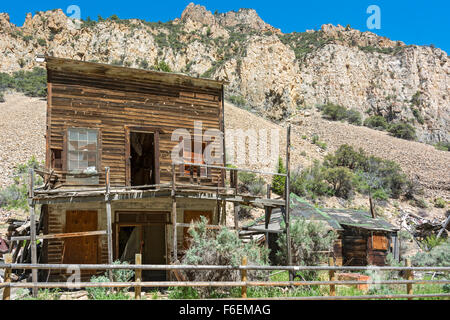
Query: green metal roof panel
{"x": 359, "y": 218}
{"x": 334, "y": 218}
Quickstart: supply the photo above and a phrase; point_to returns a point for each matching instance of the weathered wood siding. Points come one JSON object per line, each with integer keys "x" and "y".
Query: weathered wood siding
{"x": 57, "y": 224}
{"x": 88, "y": 100}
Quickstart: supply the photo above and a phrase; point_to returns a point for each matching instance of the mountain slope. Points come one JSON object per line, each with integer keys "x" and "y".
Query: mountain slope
{"x": 272, "y": 72}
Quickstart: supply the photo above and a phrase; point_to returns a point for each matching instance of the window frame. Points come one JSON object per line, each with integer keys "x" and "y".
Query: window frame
{"x": 65, "y": 153}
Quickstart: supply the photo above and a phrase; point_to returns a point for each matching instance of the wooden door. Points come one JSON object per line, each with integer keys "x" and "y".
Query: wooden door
{"x": 80, "y": 250}
{"x": 189, "y": 216}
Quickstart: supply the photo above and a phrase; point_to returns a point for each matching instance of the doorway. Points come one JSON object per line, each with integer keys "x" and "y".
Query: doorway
{"x": 142, "y": 157}
{"x": 144, "y": 233}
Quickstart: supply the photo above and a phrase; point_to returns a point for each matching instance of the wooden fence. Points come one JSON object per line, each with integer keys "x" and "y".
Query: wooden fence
{"x": 408, "y": 280}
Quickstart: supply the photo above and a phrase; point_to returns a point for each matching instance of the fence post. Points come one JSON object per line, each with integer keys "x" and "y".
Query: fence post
{"x": 138, "y": 276}
{"x": 332, "y": 276}
{"x": 409, "y": 276}
{"x": 244, "y": 278}
{"x": 7, "y": 257}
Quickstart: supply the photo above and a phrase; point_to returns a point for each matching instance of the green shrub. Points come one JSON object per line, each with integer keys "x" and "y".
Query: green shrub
{"x": 440, "y": 203}
{"x": 346, "y": 156}
{"x": 371, "y": 172}
{"x": 238, "y": 101}
{"x": 421, "y": 203}
{"x": 334, "y": 112}
{"x": 2, "y": 97}
{"x": 31, "y": 83}
{"x": 443, "y": 146}
{"x": 162, "y": 66}
{"x": 220, "y": 247}
{"x": 341, "y": 180}
{"x": 310, "y": 243}
{"x": 418, "y": 115}
{"x": 314, "y": 181}
{"x": 16, "y": 195}
{"x": 438, "y": 256}
{"x": 42, "y": 42}
{"x": 278, "y": 182}
{"x": 379, "y": 194}
{"x": 403, "y": 130}
{"x": 119, "y": 275}
{"x": 376, "y": 122}
{"x": 354, "y": 117}
{"x": 251, "y": 183}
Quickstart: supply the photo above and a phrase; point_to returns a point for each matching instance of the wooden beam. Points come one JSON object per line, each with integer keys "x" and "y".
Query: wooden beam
{"x": 33, "y": 231}
{"x": 62, "y": 235}
{"x": 174, "y": 216}
{"x": 108, "y": 219}
{"x": 287, "y": 195}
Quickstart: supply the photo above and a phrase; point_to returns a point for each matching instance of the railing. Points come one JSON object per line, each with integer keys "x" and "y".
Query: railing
{"x": 408, "y": 280}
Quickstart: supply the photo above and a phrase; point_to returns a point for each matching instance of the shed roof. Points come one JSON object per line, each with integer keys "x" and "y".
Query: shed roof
{"x": 360, "y": 219}
{"x": 333, "y": 218}
{"x": 119, "y": 72}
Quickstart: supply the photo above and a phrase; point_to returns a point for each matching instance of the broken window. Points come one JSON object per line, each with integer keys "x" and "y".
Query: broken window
{"x": 56, "y": 158}
{"x": 82, "y": 154}
{"x": 190, "y": 156}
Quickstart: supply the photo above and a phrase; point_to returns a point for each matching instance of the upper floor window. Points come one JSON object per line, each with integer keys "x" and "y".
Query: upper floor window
{"x": 82, "y": 153}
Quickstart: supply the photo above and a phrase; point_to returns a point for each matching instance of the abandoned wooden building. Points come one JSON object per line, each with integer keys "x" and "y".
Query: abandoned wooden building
{"x": 111, "y": 187}
{"x": 362, "y": 239}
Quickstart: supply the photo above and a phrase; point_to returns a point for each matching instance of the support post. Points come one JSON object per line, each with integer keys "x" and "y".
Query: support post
{"x": 287, "y": 204}
{"x": 108, "y": 220}
{"x": 138, "y": 276}
{"x": 331, "y": 274}
{"x": 268, "y": 213}
{"x": 174, "y": 217}
{"x": 236, "y": 204}
{"x": 7, "y": 257}
{"x": 409, "y": 276}
{"x": 33, "y": 231}
{"x": 244, "y": 278}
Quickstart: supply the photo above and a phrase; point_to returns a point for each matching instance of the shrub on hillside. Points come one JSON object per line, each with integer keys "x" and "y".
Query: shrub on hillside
{"x": 443, "y": 146}
{"x": 249, "y": 182}
{"x": 354, "y": 117}
{"x": 334, "y": 112}
{"x": 31, "y": 83}
{"x": 438, "y": 256}
{"x": 238, "y": 101}
{"x": 371, "y": 172}
{"x": 16, "y": 194}
{"x": 341, "y": 181}
{"x": 278, "y": 182}
{"x": 223, "y": 247}
{"x": 376, "y": 122}
{"x": 310, "y": 243}
{"x": 346, "y": 156}
{"x": 403, "y": 130}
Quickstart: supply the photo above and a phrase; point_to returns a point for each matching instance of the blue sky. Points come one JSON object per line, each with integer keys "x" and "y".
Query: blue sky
{"x": 413, "y": 22}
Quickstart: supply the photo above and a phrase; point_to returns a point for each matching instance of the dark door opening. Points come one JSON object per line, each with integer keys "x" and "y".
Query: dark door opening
{"x": 142, "y": 159}
{"x": 144, "y": 233}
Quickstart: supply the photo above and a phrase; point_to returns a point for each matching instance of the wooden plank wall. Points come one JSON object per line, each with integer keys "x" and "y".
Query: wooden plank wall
{"x": 92, "y": 101}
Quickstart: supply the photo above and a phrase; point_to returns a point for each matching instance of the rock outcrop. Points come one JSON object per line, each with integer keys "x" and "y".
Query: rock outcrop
{"x": 276, "y": 74}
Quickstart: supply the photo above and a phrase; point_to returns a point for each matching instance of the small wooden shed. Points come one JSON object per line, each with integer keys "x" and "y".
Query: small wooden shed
{"x": 362, "y": 239}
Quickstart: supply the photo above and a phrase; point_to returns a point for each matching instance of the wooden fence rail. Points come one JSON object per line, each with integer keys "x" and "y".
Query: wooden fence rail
{"x": 244, "y": 283}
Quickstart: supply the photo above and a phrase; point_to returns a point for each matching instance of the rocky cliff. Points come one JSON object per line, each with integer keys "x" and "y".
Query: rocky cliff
{"x": 275, "y": 74}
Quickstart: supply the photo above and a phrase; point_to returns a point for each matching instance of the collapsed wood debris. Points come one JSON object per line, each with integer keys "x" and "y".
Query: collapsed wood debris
{"x": 421, "y": 228}
{"x": 20, "y": 250}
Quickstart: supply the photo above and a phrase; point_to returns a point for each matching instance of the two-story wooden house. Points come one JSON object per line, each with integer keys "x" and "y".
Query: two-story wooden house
{"x": 102, "y": 116}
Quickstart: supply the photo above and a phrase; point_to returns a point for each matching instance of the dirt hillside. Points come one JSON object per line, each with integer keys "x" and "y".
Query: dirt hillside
{"x": 22, "y": 134}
